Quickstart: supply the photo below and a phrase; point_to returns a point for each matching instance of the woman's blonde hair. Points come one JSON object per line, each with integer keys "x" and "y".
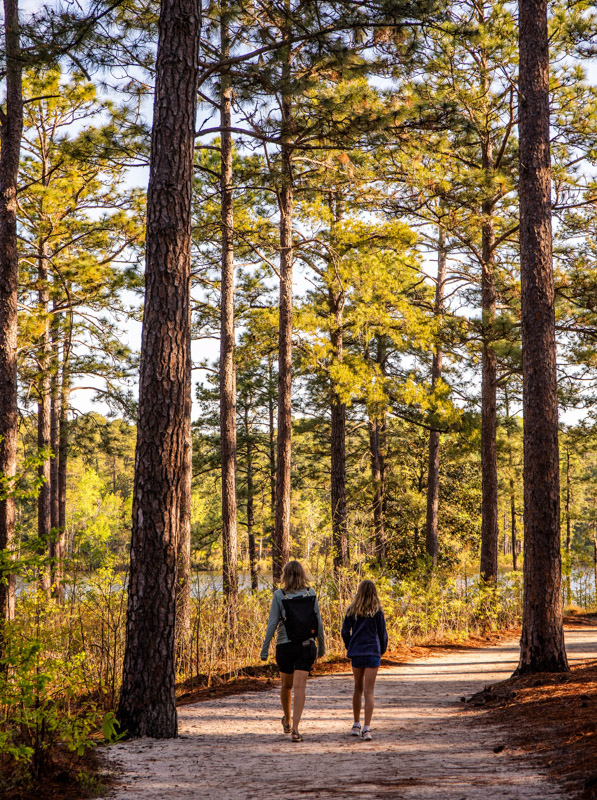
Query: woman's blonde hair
{"x": 294, "y": 577}
{"x": 366, "y": 601}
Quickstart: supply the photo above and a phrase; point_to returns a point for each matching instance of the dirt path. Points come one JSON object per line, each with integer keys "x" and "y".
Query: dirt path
{"x": 425, "y": 746}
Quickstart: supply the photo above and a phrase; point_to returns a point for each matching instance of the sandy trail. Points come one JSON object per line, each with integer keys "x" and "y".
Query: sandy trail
{"x": 425, "y": 746}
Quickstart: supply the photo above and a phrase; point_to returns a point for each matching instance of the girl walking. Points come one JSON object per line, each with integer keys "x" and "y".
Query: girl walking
{"x": 295, "y": 616}
{"x": 366, "y": 638}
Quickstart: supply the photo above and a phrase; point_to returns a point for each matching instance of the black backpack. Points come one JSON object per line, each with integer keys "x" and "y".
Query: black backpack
{"x": 300, "y": 619}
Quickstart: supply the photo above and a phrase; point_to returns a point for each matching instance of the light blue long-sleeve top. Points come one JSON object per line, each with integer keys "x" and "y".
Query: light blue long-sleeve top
{"x": 275, "y": 622}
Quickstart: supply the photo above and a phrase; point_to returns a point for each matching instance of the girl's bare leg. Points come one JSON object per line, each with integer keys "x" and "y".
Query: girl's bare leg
{"x": 357, "y": 694}
{"x": 369, "y": 686}
{"x": 300, "y": 685}
{"x": 286, "y": 693}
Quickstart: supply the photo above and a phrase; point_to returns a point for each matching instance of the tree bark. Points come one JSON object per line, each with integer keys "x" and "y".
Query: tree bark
{"x": 378, "y": 488}
{"x": 11, "y": 129}
{"x": 513, "y": 526}
{"x": 251, "y": 501}
{"x": 272, "y": 436}
{"x": 54, "y": 428}
{"x": 63, "y": 443}
{"x": 44, "y": 420}
{"x": 281, "y": 544}
{"x": 227, "y": 339}
{"x": 147, "y": 704}
{"x": 489, "y": 473}
{"x": 183, "y": 577}
{"x": 431, "y": 522}
{"x": 568, "y": 532}
{"x": 338, "y": 447}
{"x": 542, "y": 641}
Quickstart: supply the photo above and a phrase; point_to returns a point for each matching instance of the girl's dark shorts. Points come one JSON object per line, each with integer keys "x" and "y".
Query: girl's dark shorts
{"x": 361, "y": 662}
{"x": 293, "y": 656}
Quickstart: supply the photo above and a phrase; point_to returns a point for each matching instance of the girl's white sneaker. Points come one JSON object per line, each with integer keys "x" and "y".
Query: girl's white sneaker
{"x": 356, "y": 729}
{"x": 367, "y": 735}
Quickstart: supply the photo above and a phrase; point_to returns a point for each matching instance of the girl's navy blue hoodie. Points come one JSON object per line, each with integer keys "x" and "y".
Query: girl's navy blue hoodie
{"x": 365, "y": 636}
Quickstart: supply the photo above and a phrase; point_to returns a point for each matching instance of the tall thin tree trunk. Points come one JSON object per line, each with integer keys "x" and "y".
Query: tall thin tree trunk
{"x": 272, "y": 435}
{"x": 54, "y": 429}
{"x": 513, "y": 526}
{"x": 378, "y": 488}
{"x": 251, "y": 501}
{"x": 489, "y": 474}
{"x": 44, "y": 419}
{"x": 11, "y": 128}
{"x": 431, "y": 522}
{"x": 183, "y": 577}
{"x": 281, "y": 544}
{"x": 63, "y": 444}
{"x": 376, "y": 426}
{"x": 338, "y": 449}
{"x": 227, "y": 367}
{"x": 147, "y": 704}
{"x": 568, "y": 532}
{"x": 542, "y": 641}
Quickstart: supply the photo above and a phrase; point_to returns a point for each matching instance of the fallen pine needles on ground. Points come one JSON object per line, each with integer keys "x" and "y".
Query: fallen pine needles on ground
{"x": 552, "y": 716}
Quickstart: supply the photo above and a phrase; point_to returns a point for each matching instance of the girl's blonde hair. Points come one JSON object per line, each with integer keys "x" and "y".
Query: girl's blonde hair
{"x": 294, "y": 577}
{"x": 366, "y": 601}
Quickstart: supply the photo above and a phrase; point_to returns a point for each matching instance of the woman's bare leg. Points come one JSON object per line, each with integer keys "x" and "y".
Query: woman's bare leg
{"x": 369, "y": 686}
{"x": 286, "y": 693}
{"x": 357, "y": 695}
{"x": 300, "y": 684}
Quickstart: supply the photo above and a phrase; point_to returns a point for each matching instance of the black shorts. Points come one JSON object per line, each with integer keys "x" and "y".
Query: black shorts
{"x": 291, "y": 656}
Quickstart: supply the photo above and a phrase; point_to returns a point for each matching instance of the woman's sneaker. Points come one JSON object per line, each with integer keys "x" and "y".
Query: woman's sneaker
{"x": 356, "y": 729}
{"x": 367, "y": 735}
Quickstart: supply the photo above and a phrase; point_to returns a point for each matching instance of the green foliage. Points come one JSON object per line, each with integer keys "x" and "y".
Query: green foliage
{"x": 45, "y": 694}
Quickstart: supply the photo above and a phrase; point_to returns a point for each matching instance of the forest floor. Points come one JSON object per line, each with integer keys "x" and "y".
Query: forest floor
{"x": 427, "y": 743}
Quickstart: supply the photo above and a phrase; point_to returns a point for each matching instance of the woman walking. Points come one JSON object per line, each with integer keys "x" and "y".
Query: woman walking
{"x": 366, "y": 638}
{"x": 295, "y": 615}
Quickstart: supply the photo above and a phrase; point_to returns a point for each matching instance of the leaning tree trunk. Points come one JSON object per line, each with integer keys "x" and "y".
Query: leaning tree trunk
{"x": 281, "y": 544}
{"x": 147, "y": 703}
{"x": 542, "y": 641}
{"x": 431, "y": 521}
{"x": 227, "y": 368}
{"x": 11, "y": 128}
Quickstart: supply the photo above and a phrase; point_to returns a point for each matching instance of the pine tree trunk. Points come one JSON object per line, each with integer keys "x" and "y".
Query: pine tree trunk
{"x": 281, "y": 544}
{"x": 378, "y": 488}
{"x": 251, "y": 502}
{"x": 568, "y": 532}
{"x": 542, "y": 642}
{"x": 431, "y": 521}
{"x": 338, "y": 449}
{"x": 227, "y": 367}
{"x": 489, "y": 474}
{"x": 272, "y": 436}
{"x": 54, "y": 439}
{"x": 63, "y": 444}
{"x": 44, "y": 420}
{"x": 183, "y": 577}
{"x": 338, "y": 484}
{"x": 147, "y": 704}
{"x": 11, "y": 128}
{"x": 513, "y": 526}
